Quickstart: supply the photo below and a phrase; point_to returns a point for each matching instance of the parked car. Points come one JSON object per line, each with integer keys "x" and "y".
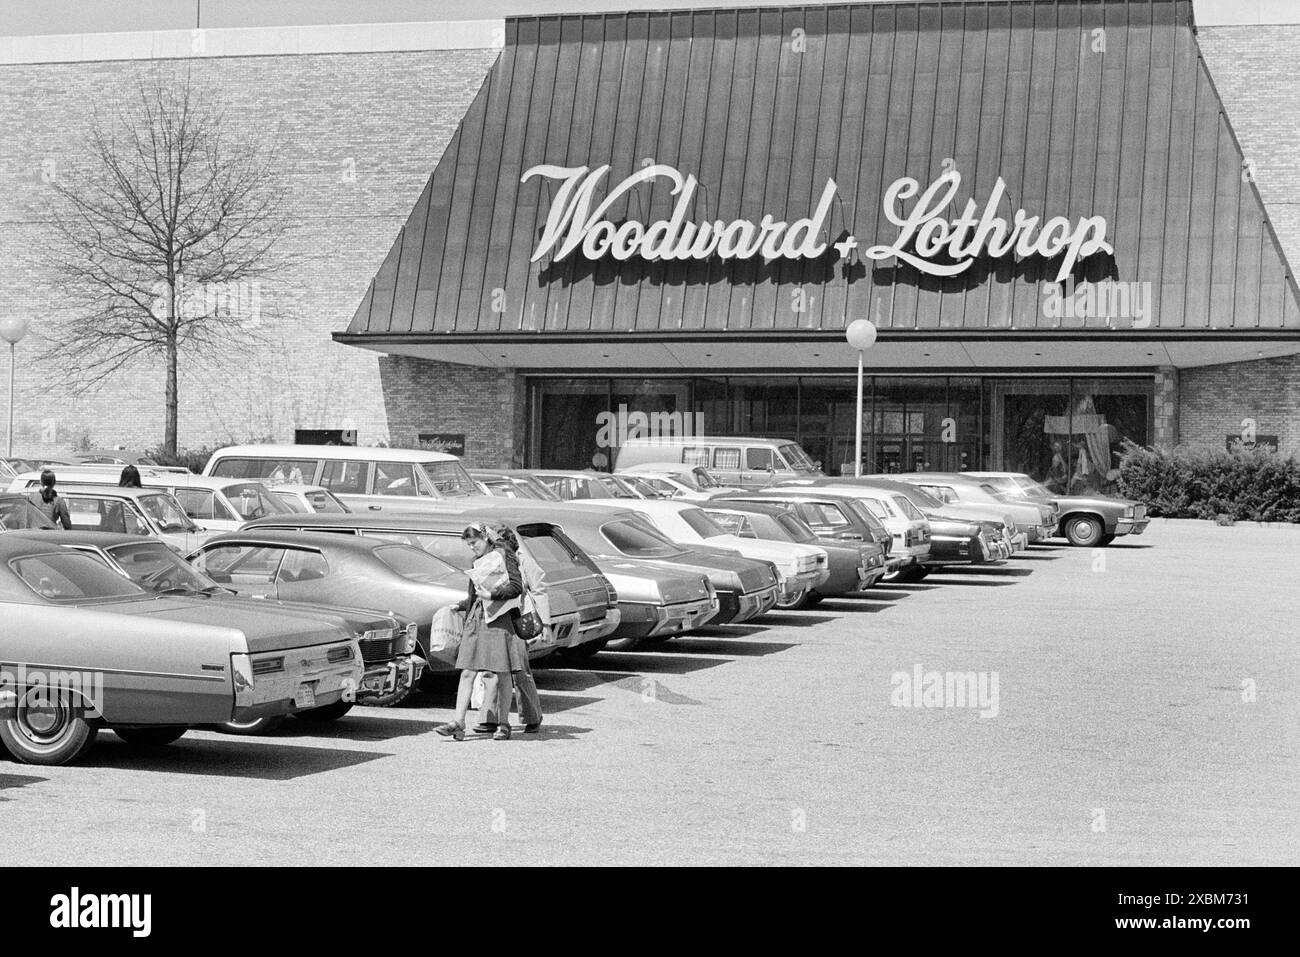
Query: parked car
{"x": 801, "y": 567}
{"x": 746, "y": 588}
{"x": 651, "y": 486}
{"x": 320, "y": 568}
{"x": 222, "y": 505}
{"x": 832, "y": 516}
{"x": 129, "y": 511}
{"x": 953, "y": 541}
{"x": 513, "y": 483}
{"x": 854, "y": 566}
{"x": 146, "y": 666}
{"x": 1037, "y": 520}
{"x": 582, "y": 608}
{"x": 17, "y": 511}
{"x": 307, "y": 499}
{"x": 733, "y": 460}
{"x": 120, "y": 458}
{"x": 358, "y": 476}
{"x": 908, "y": 527}
{"x": 387, "y": 642}
{"x": 1084, "y": 520}
{"x": 582, "y": 485}
{"x": 687, "y": 481}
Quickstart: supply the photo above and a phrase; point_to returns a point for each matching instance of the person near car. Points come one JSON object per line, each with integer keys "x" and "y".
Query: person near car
{"x": 530, "y": 702}
{"x": 488, "y": 641}
{"x": 130, "y": 478}
{"x": 51, "y": 504}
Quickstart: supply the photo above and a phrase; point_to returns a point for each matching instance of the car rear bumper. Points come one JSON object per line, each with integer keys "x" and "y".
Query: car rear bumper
{"x": 640, "y": 620}
{"x": 735, "y": 607}
{"x": 596, "y": 629}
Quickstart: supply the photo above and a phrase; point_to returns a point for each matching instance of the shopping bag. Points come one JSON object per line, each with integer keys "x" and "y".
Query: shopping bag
{"x": 476, "y": 693}
{"x": 489, "y": 573}
{"x": 446, "y": 632}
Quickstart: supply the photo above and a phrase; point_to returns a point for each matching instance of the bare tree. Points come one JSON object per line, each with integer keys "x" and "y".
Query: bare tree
{"x": 165, "y": 237}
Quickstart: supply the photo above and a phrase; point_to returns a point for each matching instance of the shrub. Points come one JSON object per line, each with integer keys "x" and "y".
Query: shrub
{"x": 1252, "y": 485}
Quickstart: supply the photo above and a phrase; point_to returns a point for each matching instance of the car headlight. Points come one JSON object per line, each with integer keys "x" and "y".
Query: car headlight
{"x": 1130, "y": 512}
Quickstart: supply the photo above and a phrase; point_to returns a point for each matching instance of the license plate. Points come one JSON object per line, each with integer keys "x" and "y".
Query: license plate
{"x": 306, "y": 697}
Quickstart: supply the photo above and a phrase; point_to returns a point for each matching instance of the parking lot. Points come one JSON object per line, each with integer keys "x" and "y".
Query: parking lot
{"x": 1145, "y": 713}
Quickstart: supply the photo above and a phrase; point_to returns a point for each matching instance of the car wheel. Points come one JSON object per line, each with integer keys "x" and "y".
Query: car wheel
{"x": 1084, "y": 531}
{"x": 256, "y": 726}
{"x": 799, "y": 600}
{"x": 1106, "y": 539}
{"x": 150, "y": 737}
{"x": 586, "y": 650}
{"x": 46, "y": 730}
{"x": 328, "y": 712}
{"x": 815, "y": 598}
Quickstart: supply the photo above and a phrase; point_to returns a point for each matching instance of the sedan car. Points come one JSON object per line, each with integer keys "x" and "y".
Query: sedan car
{"x": 85, "y": 648}
{"x": 581, "y": 608}
{"x": 387, "y": 642}
{"x": 129, "y": 511}
{"x": 321, "y": 569}
{"x": 17, "y": 511}
{"x": 511, "y": 483}
{"x": 1084, "y": 520}
{"x": 1037, "y": 521}
{"x": 854, "y": 566}
{"x": 580, "y": 485}
{"x": 800, "y": 567}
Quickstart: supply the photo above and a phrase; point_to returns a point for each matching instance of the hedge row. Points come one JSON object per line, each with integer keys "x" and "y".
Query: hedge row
{"x": 1247, "y": 485}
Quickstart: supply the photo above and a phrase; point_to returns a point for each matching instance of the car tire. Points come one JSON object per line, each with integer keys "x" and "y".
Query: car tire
{"x": 794, "y": 604}
{"x": 327, "y": 712}
{"x": 586, "y": 650}
{"x": 1106, "y": 539}
{"x": 257, "y": 726}
{"x": 50, "y": 735}
{"x": 151, "y": 737}
{"x": 1084, "y": 531}
{"x": 815, "y": 598}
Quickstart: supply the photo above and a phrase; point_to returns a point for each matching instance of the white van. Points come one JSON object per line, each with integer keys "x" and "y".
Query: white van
{"x": 732, "y": 460}
{"x": 357, "y": 476}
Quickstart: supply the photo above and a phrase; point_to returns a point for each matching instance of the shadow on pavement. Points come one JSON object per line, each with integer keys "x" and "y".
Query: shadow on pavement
{"x": 640, "y": 661}
{"x": 799, "y": 619}
{"x": 979, "y": 570}
{"x": 356, "y": 726}
{"x": 15, "y": 781}
{"x": 702, "y": 644}
{"x": 855, "y": 605}
{"x": 233, "y": 756}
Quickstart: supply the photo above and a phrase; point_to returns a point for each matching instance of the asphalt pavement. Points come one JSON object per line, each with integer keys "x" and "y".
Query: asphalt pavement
{"x": 1129, "y": 705}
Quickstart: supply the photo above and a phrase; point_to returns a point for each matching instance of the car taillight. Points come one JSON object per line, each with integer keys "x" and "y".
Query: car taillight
{"x": 412, "y": 633}
{"x": 341, "y": 653}
{"x": 268, "y": 666}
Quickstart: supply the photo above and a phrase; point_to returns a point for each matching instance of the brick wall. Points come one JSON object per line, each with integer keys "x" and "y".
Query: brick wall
{"x": 359, "y": 135}
{"x": 1215, "y": 399}
{"x": 485, "y": 405}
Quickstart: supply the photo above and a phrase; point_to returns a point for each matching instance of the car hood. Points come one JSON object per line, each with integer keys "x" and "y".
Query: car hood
{"x": 266, "y": 625}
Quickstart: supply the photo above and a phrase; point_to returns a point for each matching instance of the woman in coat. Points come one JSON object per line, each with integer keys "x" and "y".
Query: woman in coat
{"x": 52, "y": 506}
{"x": 489, "y": 641}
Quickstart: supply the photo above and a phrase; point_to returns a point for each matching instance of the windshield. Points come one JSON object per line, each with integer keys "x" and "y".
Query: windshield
{"x": 620, "y": 488}
{"x": 907, "y": 508}
{"x": 72, "y": 576}
{"x": 551, "y": 553}
{"x": 251, "y": 501}
{"x": 288, "y": 503}
{"x": 1001, "y": 483}
{"x": 923, "y": 498}
{"x": 449, "y": 478}
{"x": 797, "y": 457}
{"x": 703, "y": 478}
{"x": 733, "y": 524}
{"x": 1030, "y": 487}
{"x": 447, "y": 548}
{"x": 166, "y": 513}
{"x": 156, "y": 567}
{"x": 701, "y": 524}
{"x": 414, "y": 564}
{"x": 879, "y": 507}
{"x": 636, "y": 541}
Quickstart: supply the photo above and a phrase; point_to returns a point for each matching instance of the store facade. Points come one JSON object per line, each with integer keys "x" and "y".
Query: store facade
{"x": 659, "y": 221}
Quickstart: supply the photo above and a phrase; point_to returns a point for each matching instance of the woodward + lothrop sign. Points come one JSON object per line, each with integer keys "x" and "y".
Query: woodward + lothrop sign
{"x": 926, "y": 240}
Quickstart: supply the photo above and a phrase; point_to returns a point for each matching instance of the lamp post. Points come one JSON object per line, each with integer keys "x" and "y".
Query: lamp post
{"x": 861, "y": 335}
{"x": 12, "y": 330}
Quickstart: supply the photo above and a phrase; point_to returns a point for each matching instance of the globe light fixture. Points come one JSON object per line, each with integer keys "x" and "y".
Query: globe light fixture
{"x": 12, "y": 330}
{"x": 861, "y": 335}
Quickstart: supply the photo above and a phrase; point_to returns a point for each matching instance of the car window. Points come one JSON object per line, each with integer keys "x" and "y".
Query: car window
{"x": 165, "y": 512}
{"x": 414, "y": 564}
{"x": 251, "y": 501}
{"x": 293, "y": 471}
{"x": 449, "y": 478}
{"x": 345, "y": 477}
{"x": 879, "y": 507}
{"x": 20, "y": 513}
{"x": 449, "y": 549}
{"x": 72, "y": 576}
{"x": 821, "y": 513}
{"x": 941, "y": 492}
{"x": 322, "y": 501}
{"x": 905, "y": 506}
{"x": 734, "y": 524}
{"x": 695, "y": 455}
{"x": 726, "y": 458}
{"x": 240, "y": 564}
{"x": 288, "y": 504}
{"x": 153, "y": 565}
{"x": 301, "y": 565}
{"x": 796, "y": 456}
{"x": 552, "y": 554}
{"x": 106, "y": 515}
{"x": 795, "y": 527}
{"x": 760, "y": 458}
{"x": 395, "y": 478}
{"x": 638, "y": 542}
{"x": 199, "y": 503}
{"x": 701, "y": 524}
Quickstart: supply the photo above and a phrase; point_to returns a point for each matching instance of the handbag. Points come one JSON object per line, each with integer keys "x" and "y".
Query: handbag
{"x": 446, "y": 632}
{"x": 528, "y": 624}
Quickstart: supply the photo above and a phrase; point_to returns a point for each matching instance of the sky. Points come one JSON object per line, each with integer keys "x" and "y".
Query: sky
{"x": 35, "y": 17}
